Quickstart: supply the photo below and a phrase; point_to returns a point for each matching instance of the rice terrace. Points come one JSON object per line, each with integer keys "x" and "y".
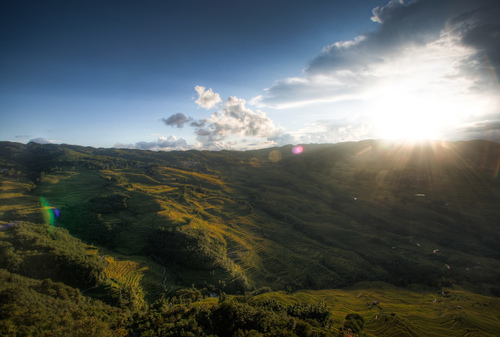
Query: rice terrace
{"x": 370, "y": 237}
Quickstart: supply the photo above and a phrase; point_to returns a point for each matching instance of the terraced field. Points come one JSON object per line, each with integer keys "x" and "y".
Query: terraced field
{"x": 390, "y": 311}
{"x": 148, "y": 279}
{"x": 329, "y": 218}
{"x": 16, "y": 204}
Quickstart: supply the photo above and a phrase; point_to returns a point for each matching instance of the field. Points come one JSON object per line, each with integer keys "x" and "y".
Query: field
{"x": 402, "y": 312}
{"x": 354, "y": 223}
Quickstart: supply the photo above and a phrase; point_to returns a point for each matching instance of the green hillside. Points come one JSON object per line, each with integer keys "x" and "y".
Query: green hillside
{"x": 422, "y": 217}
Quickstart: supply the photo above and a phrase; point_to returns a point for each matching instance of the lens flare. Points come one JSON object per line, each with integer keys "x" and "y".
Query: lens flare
{"x": 297, "y": 149}
{"x": 49, "y": 213}
{"x": 275, "y": 156}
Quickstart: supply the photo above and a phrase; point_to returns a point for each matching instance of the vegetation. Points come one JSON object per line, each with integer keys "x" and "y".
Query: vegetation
{"x": 31, "y": 307}
{"x": 147, "y": 239}
{"x": 190, "y": 247}
{"x": 34, "y": 251}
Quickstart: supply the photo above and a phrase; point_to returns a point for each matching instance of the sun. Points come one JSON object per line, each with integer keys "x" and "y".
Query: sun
{"x": 395, "y": 126}
{"x": 412, "y": 118}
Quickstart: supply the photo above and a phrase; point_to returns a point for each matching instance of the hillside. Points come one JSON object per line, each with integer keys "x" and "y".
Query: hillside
{"x": 422, "y": 215}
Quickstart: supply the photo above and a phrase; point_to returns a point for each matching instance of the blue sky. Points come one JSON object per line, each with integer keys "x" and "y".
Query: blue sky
{"x": 161, "y": 75}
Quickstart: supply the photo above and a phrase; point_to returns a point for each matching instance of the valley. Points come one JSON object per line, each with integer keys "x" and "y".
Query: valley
{"x": 342, "y": 225}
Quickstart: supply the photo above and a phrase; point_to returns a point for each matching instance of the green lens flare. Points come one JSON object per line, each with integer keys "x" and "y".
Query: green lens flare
{"x": 49, "y": 213}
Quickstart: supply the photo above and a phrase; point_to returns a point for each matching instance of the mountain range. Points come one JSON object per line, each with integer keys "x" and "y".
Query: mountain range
{"x": 130, "y": 228}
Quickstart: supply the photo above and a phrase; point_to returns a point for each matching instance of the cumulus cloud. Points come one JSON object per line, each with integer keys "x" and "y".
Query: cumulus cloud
{"x": 238, "y": 120}
{"x": 207, "y": 98}
{"x": 227, "y": 127}
{"x": 161, "y": 144}
{"x": 178, "y": 119}
{"x": 426, "y": 47}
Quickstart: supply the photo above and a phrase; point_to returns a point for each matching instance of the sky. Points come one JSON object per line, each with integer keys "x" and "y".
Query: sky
{"x": 212, "y": 75}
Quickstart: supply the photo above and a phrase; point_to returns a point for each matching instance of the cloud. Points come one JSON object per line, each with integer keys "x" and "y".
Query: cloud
{"x": 198, "y": 124}
{"x": 426, "y": 47}
{"x": 487, "y": 129}
{"x": 336, "y": 130}
{"x": 479, "y": 29}
{"x": 161, "y": 144}
{"x": 178, "y": 119}
{"x": 207, "y": 98}
{"x": 381, "y": 13}
{"x": 226, "y": 128}
{"x": 42, "y": 141}
{"x": 282, "y": 138}
{"x": 485, "y": 126}
{"x": 236, "y": 119}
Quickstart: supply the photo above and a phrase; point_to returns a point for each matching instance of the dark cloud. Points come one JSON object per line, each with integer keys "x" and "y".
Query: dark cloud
{"x": 436, "y": 29}
{"x": 198, "y": 124}
{"x": 380, "y": 14}
{"x": 489, "y": 129}
{"x": 480, "y": 29}
{"x": 203, "y": 132}
{"x": 484, "y": 126}
{"x": 178, "y": 119}
{"x": 417, "y": 23}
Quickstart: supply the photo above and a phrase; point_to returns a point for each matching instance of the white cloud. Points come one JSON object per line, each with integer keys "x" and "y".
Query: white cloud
{"x": 282, "y": 138}
{"x": 435, "y": 57}
{"x": 235, "y": 119}
{"x": 41, "y": 140}
{"x": 207, "y": 98}
{"x": 336, "y": 130}
{"x": 233, "y": 126}
{"x": 161, "y": 144}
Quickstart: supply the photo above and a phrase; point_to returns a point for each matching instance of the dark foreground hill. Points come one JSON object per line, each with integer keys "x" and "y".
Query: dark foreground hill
{"x": 422, "y": 216}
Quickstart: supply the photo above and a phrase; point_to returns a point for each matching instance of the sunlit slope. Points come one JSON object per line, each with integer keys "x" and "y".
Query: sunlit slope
{"x": 328, "y": 217}
{"x": 374, "y": 210}
{"x": 391, "y": 311}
